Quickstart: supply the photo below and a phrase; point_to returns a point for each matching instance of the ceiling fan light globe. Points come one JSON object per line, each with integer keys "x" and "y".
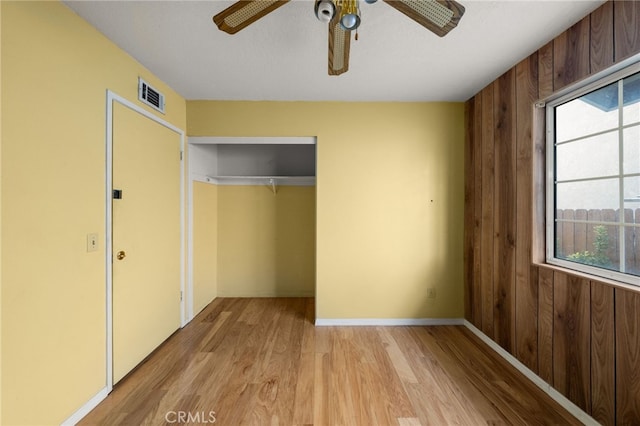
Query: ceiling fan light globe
{"x": 350, "y": 21}
{"x": 370, "y": 1}
{"x": 325, "y": 10}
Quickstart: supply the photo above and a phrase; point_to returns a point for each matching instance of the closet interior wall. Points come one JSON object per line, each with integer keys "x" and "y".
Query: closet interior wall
{"x": 253, "y": 219}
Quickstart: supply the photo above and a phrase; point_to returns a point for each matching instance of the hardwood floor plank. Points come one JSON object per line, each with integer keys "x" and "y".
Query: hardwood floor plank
{"x": 343, "y": 391}
{"x": 322, "y": 340}
{"x": 303, "y": 403}
{"x": 262, "y": 361}
{"x": 186, "y": 384}
{"x": 165, "y": 411}
{"x": 494, "y": 380}
{"x": 434, "y": 360}
{"x": 217, "y": 324}
{"x": 536, "y": 410}
{"x": 138, "y": 412}
{"x": 321, "y": 389}
{"x": 222, "y": 333}
{"x": 402, "y": 367}
{"x": 386, "y": 386}
{"x": 409, "y": 421}
{"x": 308, "y": 340}
{"x": 254, "y": 311}
{"x": 437, "y": 409}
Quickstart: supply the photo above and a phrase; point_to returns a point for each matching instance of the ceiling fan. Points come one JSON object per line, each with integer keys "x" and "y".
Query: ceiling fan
{"x": 343, "y": 17}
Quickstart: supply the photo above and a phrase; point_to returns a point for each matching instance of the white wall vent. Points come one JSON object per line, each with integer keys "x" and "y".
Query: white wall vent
{"x": 150, "y": 96}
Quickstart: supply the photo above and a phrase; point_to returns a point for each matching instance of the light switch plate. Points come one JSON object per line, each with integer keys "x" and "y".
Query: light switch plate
{"x": 92, "y": 242}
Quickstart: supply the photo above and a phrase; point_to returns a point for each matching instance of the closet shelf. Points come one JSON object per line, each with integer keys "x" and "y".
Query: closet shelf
{"x": 271, "y": 181}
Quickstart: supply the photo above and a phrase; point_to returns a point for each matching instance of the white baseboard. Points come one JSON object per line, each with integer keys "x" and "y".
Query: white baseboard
{"x": 86, "y": 408}
{"x": 266, "y": 295}
{"x": 387, "y": 321}
{"x": 576, "y": 411}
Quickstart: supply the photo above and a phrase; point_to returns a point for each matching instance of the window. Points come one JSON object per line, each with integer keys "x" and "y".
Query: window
{"x": 593, "y": 177}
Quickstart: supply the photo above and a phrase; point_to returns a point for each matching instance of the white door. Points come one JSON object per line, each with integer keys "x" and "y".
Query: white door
{"x": 146, "y": 237}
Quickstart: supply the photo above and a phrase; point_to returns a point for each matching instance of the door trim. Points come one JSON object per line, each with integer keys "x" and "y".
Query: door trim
{"x": 111, "y": 99}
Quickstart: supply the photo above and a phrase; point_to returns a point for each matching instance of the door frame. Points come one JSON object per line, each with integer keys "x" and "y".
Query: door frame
{"x": 111, "y": 99}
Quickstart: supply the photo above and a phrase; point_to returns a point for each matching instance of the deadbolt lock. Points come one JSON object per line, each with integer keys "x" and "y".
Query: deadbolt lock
{"x": 121, "y": 255}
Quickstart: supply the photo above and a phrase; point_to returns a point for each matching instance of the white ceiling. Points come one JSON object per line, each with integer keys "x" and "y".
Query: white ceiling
{"x": 283, "y": 56}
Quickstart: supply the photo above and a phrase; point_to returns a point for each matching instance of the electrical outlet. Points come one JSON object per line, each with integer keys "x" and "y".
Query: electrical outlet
{"x": 92, "y": 242}
{"x": 431, "y": 293}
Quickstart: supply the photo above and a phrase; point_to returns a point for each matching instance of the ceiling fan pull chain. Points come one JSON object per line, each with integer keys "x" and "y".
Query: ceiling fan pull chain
{"x": 356, "y": 34}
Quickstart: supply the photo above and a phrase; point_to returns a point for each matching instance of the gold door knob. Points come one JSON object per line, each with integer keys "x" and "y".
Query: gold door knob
{"x": 121, "y": 255}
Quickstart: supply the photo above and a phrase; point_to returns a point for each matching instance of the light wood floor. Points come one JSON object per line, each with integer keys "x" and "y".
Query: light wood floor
{"x": 262, "y": 361}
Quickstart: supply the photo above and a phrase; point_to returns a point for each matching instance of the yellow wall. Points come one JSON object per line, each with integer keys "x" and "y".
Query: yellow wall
{"x": 266, "y": 242}
{"x": 55, "y": 72}
{"x": 389, "y": 198}
{"x": 205, "y": 244}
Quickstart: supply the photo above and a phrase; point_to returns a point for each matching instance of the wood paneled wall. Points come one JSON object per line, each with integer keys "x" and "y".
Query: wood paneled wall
{"x": 580, "y": 335}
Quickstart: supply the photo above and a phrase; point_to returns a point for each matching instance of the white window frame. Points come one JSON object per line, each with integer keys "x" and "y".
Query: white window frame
{"x": 617, "y": 72}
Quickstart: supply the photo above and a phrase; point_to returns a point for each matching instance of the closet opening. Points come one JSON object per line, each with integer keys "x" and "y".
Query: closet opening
{"x": 252, "y": 218}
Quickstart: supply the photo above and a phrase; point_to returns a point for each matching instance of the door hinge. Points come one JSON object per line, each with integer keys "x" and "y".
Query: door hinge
{"x": 181, "y": 295}
{"x": 180, "y": 155}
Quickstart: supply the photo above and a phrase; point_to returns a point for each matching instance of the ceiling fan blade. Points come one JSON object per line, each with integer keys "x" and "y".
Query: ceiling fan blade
{"x": 245, "y": 12}
{"x": 438, "y": 16}
{"x": 339, "y": 43}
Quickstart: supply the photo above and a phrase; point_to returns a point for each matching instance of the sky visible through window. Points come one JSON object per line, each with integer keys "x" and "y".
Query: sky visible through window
{"x": 588, "y": 131}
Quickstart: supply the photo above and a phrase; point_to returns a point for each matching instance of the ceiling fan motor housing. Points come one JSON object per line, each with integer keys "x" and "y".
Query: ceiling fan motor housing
{"x": 325, "y": 10}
